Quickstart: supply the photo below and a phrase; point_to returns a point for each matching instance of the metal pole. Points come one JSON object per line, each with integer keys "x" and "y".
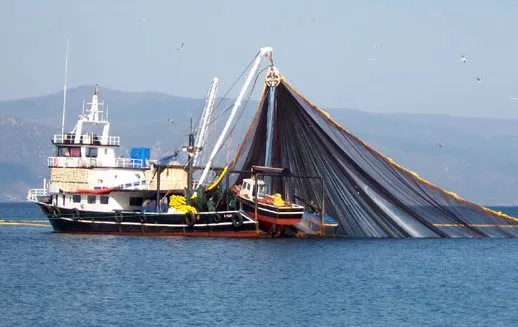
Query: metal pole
{"x": 255, "y": 205}
{"x": 227, "y": 180}
{"x": 269, "y": 136}
{"x": 190, "y": 153}
{"x": 64, "y": 93}
{"x": 323, "y": 211}
{"x": 158, "y": 188}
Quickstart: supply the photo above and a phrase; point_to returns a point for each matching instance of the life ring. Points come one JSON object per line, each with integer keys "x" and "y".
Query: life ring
{"x": 216, "y": 218}
{"x": 55, "y": 212}
{"x": 76, "y": 214}
{"x": 190, "y": 219}
{"x": 118, "y": 217}
{"x": 237, "y": 221}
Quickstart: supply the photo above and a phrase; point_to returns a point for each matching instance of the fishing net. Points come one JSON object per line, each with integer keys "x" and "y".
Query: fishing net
{"x": 368, "y": 193}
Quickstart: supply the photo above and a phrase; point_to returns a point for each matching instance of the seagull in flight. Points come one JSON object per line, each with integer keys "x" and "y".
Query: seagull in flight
{"x": 170, "y": 121}
{"x": 479, "y": 80}
{"x": 463, "y": 59}
{"x": 314, "y": 20}
{"x": 180, "y": 47}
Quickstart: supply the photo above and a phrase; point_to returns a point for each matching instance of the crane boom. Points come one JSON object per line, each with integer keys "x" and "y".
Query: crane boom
{"x": 264, "y": 52}
{"x": 205, "y": 118}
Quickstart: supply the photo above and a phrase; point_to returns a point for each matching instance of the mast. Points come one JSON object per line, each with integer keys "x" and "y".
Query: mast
{"x": 205, "y": 118}
{"x": 64, "y": 92}
{"x": 191, "y": 150}
{"x": 272, "y": 80}
{"x": 264, "y": 52}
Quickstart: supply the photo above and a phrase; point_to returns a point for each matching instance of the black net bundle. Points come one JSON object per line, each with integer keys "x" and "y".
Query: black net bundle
{"x": 366, "y": 192}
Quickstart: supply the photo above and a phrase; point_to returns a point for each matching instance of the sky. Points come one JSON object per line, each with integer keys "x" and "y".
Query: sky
{"x": 372, "y": 55}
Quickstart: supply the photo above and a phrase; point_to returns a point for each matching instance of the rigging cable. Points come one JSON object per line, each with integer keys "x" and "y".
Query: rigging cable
{"x": 245, "y": 103}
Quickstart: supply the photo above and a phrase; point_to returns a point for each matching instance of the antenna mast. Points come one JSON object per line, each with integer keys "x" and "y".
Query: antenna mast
{"x": 65, "y": 92}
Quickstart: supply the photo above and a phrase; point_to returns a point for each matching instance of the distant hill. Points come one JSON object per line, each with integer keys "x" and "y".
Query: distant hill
{"x": 473, "y": 157}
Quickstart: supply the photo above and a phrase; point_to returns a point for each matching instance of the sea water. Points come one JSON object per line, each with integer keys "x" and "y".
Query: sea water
{"x": 52, "y": 279}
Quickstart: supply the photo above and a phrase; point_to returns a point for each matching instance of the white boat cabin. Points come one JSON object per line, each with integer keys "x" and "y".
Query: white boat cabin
{"x": 248, "y": 188}
{"x": 90, "y": 144}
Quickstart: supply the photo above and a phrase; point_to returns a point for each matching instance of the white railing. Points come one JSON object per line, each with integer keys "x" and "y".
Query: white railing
{"x": 79, "y": 162}
{"x": 86, "y": 139}
{"x": 138, "y": 185}
{"x": 33, "y": 193}
{"x": 72, "y": 162}
{"x": 131, "y": 163}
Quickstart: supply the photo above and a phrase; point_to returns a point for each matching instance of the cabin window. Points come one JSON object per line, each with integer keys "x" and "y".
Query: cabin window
{"x": 76, "y": 198}
{"x": 103, "y": 199}
{"x": 63, "y": 152}
{"x": 91, "y": 152}
{"x": 91, "y": 199}
{"x": 260, "y": 191}
{"x": 75, "y": 152}
{"x": 135, "y": 202}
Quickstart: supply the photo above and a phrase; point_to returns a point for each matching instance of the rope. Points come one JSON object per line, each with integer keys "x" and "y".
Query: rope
{"x": 226, "y": 94}
{"x": 245, "y": 103}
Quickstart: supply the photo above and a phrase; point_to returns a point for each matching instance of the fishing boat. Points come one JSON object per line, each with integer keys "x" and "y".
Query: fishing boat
{"x": 92, "y": 190}
{"x": 275, "y": 215}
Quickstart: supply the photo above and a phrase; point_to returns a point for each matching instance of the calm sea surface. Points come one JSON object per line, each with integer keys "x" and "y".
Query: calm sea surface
{"x": 51, "y": 279}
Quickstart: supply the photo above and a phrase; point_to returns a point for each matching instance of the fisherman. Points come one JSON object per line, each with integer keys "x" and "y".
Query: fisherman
{"x": 146, "y": 206}
{"x": 313, "y": 208}
{"x": 164, "y": 204}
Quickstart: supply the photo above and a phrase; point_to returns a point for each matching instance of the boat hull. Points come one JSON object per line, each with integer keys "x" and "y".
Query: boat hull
{"x": 278, "y": 221}
{"x": 211, "y": 224}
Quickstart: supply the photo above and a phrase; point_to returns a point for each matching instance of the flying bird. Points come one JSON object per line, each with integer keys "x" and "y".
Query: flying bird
{"x": 479, "y": 80}
{"x": 314, "y": 20}
{"x": 180, "y": 47}
{"x": 463, "y": 59}
{"x": 441, "y": 146}
{"x": 171, "y": 121}
{"x": 378, "y": 45}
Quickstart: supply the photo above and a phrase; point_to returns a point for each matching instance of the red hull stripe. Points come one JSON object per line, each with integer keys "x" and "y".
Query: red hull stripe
{"x": 101, "y": 191}
{"x": 277, "y": 221}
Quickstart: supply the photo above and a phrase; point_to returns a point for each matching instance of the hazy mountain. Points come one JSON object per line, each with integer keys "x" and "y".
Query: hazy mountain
{"x": 472, "y": 157}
